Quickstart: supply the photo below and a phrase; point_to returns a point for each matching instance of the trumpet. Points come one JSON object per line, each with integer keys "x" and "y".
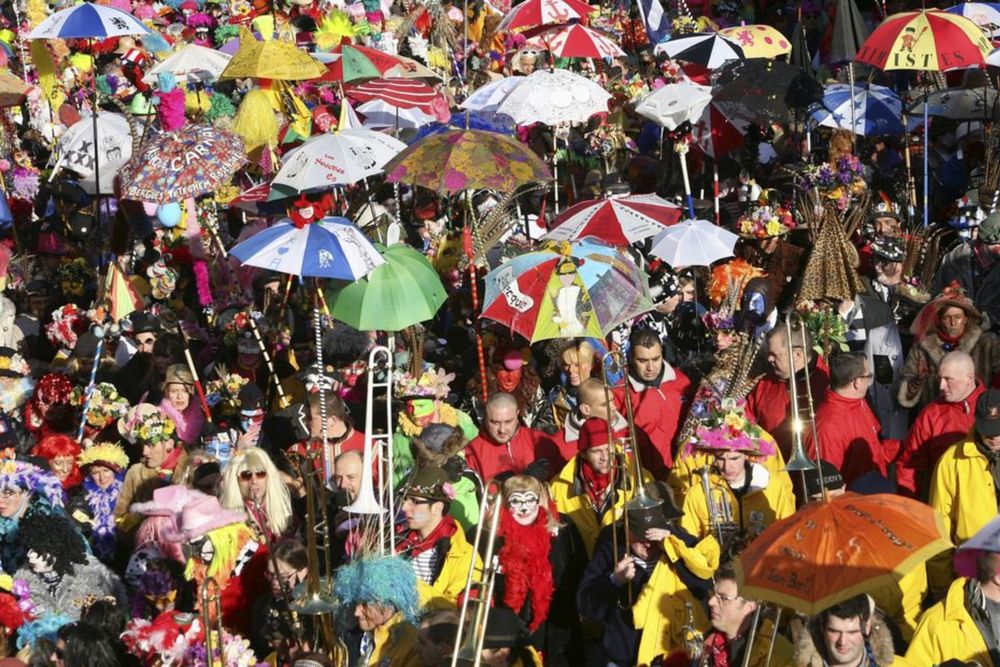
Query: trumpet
{"x": 694, "y": 640}
{"x": 471, "y": 632}
{"x": 798, "y": 460}
{"x": 720, "y": 512}
{"x": 211, "y": 603}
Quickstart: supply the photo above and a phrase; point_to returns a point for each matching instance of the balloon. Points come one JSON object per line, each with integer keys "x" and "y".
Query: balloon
{"x": 169, "y": 214}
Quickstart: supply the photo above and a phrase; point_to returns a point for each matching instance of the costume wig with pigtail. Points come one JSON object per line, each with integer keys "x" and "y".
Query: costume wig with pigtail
{"x": 49, "y": 410}
{"x": 54, "y": 446}
{"x": 230, "y": 543}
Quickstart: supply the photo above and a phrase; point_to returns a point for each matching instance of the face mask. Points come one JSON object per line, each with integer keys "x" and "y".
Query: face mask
{"x": 248, "y": 419}
{"x": 221, "y": 448}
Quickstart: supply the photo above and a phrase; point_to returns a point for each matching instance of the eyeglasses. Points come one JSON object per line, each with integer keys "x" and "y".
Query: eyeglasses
{"x": 248, "y": 475}
{"x": 8, "y": 493}
{"x": 413, "y": 500}
{"x": 723, "y": 598}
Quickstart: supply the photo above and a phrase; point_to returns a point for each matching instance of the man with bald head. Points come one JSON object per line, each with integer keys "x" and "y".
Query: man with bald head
{"x": 943, "y": 422}
{"x": 347, "y": 474}
{"x": 504, "y": 445}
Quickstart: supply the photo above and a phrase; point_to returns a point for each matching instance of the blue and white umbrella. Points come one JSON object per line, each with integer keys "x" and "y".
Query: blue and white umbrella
{"x": 89, "y": 21}
{"x": 984, "y": 14}
{"x": 877, "y": 109}
{"x": 329, "y": 248}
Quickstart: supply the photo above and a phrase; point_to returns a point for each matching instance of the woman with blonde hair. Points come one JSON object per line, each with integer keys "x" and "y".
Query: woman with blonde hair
{"x": 252, "y": 483}
{"x": 577, "y": 360}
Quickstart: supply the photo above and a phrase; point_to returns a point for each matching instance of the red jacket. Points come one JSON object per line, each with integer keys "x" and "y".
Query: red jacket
{"x": 769, "y": 403}
{"x": 938, "y": 426}
{"x": 849, "y": 433}
{"x": 658, "y": 413}
{"x": 489, "y": 458}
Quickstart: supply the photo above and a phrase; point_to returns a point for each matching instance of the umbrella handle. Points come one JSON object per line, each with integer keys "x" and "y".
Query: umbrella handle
{"x": 682, "y": 150}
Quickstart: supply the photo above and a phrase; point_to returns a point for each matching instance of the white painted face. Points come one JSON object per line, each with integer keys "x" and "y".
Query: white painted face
{"x": 524, "y": 506}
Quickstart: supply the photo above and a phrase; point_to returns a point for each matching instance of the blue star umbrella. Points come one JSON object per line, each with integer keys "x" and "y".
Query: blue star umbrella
{"x": 877, "y": 109}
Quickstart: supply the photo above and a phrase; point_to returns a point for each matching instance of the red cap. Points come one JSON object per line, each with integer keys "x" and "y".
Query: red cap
{"x": 593, "y": 433}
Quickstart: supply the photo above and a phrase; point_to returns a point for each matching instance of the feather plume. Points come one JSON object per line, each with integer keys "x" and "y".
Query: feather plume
{"x": 498, "y": 222}
{"x": 47, "y": 79}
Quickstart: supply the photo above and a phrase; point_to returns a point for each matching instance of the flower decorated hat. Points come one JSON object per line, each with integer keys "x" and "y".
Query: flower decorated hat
{"x": 726, "y": 427}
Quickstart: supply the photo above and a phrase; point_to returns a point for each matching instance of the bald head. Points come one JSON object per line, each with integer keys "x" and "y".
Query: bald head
{"x": 501, "y": 417}
{"x": 956, "y": 376}
{"x": 347, "y": 470}
{"x": 593, "y": 400}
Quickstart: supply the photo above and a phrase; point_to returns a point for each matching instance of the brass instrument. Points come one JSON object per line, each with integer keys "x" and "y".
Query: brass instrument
{"x": 471, "y": 632}
{"x": 694, "y": 640}
{"x": 720, "y": 513}
{"x": 292, "y": 618}
{"x": 211, "y": 603}
{"x": 798, "y": 460}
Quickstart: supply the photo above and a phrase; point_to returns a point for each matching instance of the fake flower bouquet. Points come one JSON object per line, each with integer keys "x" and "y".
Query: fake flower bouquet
{"x": 828, "y": 329}
{"x": 838, "y": 184}
{"x": 766, "y": 220}
{"x": 105, "y": 406}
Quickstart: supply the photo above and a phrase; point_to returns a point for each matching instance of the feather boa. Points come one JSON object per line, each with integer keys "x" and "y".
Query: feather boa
{"x": 189, "y": 423}
{"x": 524, "y": 558}
{"x": 171, "y": 109}
{"x": 102, "y": 508}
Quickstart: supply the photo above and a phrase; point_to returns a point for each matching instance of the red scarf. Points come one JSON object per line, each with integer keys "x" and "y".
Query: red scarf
{"x": 950, "y": 342}
{"x": 593, "y": 483}
{"x": 413, "y": 545}
{"x": 524, "y": 558}
{"x": 717, "y": 649}
{"x": 166, "y": 471}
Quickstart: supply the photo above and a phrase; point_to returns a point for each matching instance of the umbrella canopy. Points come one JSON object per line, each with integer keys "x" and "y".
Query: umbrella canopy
{"x": 89, "y": 21}
{"x": 849, "y": 32}
{"x": 580, "y": 289}
{"x": 75, "y": 149}
{"x": 457, "y": 160}
{"x": 489, "y": 96}
{"x": 191, "y": 64}
{"x": 352, "y": 62}
{"x": 758, "y": 40}
{"x": 574, "y": 41}
{"x": 276, "y": 59}
{"x": 185, "y": 163}
{"x": 928, "y": 40}
{"x": 342, "y": 158}
{"x": 693, "y": 243}
{"x": 720, "y": 129}
{"x": 553, "y": 97}
{"x": 329, "y": 248}
{"x": 398, "y": 92}
{"x": 381, "y": 114}
{"x": 959, "y": 103}
{"x": 122, "y": 296}
{"x": 620, "y": 221}
{"x": 539, "y": 12}
{"x": 675, "y": 103}
{"x": 765, "y": 89}
{"x": 12, "y": 90}
{"x": 877, "y": 109}
{"x": 401, "y": 292}
{"x": 984, "y": 14}
{"x": 830, "y": 551}
{"x": 710, "y": 50}
{"x": 262, "y": 199}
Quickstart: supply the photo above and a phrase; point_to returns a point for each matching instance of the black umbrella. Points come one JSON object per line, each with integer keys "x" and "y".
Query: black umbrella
{"x": 765, "y": 89}
{"x": 849, "y": 32}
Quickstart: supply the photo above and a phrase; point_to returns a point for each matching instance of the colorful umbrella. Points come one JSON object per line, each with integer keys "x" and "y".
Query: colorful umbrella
{"x": 185, "y": 163}
{"x": 262, "y": 199}
{"x": 984, "y": 14}
{"x": 275, "y": 59}
{"x": 758, "y": 41}
{"x": 675, "y": 103}
{"x": 539, "y": 12}
{"x": 355, "y": 63}
{"x": 693, "y": 243}
{"x": 380, "y": 114}
{"x": 191, "y": 64}
{"x": 709, "y": 50}
{"x": 553, "y": 97}
{"x": 620, "y": 221}
{"x": 399, "y": 92}
{"x": 89, "y": 21}
{"x": 454, "y": 161}
{"x": 929, "y": 40}
{"x": 329, "y": 248}
{"x": 877, "y": 109}
{"x": 403, "y": 291}
{"x": 830, "y": 551}
{"x": 341, "y": 158}
{"x": 574, "y": 41}
{"x": 579, "y": 289}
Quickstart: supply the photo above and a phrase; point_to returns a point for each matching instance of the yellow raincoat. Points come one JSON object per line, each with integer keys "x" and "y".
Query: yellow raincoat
{"x": 572, "y": 501}
{"x": 903, "y": 601}
{"x": 682, "y": 476}
{"x": 947, "y": 631}
{"x": 444, "y": 592}
{"x": 395, "y": 644}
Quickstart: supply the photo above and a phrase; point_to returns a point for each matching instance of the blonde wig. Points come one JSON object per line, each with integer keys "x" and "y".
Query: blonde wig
{"x": 523, "y": 483}
{"x": 277, "y": 501}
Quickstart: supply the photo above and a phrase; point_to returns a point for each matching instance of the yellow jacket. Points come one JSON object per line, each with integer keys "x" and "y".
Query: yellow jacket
{"x": 947, "y": 631}
{"x": 662, "y": 608}
{"x": 903, "y": 601}
{"x": 962, "y": 490}
{"x": 682, "y": 476}
{"x": 765, "y": 502}
{"x": 572, "y": 501}
{"x": 450, "y": 583}
{"x": 781, "y": 655}
{"x": 395, "y": 646}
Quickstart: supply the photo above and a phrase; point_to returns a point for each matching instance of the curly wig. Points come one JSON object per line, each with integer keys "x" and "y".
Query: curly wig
{"x": 389, "y": 581}
{"x": 61, "y": 445}
{"x": 56, "y": 537}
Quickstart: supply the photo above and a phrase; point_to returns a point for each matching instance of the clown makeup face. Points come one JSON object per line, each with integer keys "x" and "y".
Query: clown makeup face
{"x": 61, "y": 466}
{"x": 40, "y": 563}
{"x": 422, "y": 410}
{"x": 221, "y": 447}
{"x": 13, "y": 500}
{"x": 102, "y": 476}
{"x": 251, "y": 418}
{"x": 524, "y": 506}
{"x": 200, "y": 548}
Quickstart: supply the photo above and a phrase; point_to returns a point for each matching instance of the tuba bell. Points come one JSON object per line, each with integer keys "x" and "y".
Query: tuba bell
{"x": 798, "y": 461}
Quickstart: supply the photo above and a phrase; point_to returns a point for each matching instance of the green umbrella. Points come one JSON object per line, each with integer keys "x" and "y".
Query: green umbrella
{"x": 401, "y": 292}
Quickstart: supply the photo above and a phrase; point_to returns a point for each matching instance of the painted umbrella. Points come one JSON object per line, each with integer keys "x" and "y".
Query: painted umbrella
{"x": 580, "y": 289}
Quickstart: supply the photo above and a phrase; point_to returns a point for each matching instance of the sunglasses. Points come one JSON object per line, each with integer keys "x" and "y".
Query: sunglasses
{"x": 248, "y": 475}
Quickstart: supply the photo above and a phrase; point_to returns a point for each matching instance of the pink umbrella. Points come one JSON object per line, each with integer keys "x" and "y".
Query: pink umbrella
{"x": 399, "y": 92}
{"x": 574, "y": 41}
{"x": 539, "y": 12}
{"x": 619, "y": 221}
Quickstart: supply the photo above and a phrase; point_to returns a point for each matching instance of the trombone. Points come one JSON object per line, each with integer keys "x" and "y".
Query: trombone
{"x": 294, "y": 624}
{"x": 471, "y": 632}
{"x": 211, "y": 603}
{"x": 720, "y": 512}
{"x": 798, "y": 460}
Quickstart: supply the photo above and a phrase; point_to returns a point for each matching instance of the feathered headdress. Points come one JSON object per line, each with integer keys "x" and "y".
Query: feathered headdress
{"x": 28, "y": 477}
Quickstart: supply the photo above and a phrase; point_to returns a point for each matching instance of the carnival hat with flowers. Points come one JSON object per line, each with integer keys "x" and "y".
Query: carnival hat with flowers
{"x": 429, "y": 384}
{"x": 12, "y": 364}
{"x": 107, "y": 454}
{"x": 765, "y": 220}
{"x": 146, "y": 424}
{"x": 104, "y": 406}
{"x": 431, "y": 483}
{"x": 726, "y": 427}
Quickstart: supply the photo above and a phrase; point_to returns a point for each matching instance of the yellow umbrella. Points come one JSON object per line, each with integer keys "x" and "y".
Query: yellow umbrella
{"x": 271, "y": 59}
{"x": 758, "y": 40}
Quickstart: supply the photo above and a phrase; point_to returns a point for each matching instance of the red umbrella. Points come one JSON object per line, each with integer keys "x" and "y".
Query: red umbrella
{"x": 574, "y": 41}
{"x": 718, "y": 132}
{"x": 402, "y": 93}
{"x": 358, "y": 62}
{"x": 538, "y": 12}
{"x": 619, "y": 221}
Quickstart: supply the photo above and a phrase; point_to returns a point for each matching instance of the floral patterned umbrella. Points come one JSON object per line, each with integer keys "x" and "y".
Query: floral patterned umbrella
{"x": 454, "y": 161}
{"x": 185, "y": 163}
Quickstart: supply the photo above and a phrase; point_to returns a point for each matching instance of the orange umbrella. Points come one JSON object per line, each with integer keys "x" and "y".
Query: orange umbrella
{"x": 830, "y": 551}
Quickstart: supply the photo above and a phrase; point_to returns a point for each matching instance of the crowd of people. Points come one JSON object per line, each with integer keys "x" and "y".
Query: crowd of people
{"x": 202, "y": 464}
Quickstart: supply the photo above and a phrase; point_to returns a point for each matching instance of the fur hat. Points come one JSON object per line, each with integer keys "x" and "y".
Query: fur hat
{"x": 436, "y": 444}
{"x": 167, "y": 501}
{"x": 202, "y": 514}
{"x": 431, "y": 483}
{"x": 952, "y": 296}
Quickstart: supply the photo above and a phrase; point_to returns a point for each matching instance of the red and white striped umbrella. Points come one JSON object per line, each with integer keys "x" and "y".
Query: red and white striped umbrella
{"x": 402, "y": 93}
{"x": 575, "y": 41}
{"x": 533, "y": 13}
{"x": 718, "y": 131}
{"x": 619, "y": 221}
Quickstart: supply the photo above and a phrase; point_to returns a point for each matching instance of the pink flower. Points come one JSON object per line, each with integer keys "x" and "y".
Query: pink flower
{"x": 448, "y": 490}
